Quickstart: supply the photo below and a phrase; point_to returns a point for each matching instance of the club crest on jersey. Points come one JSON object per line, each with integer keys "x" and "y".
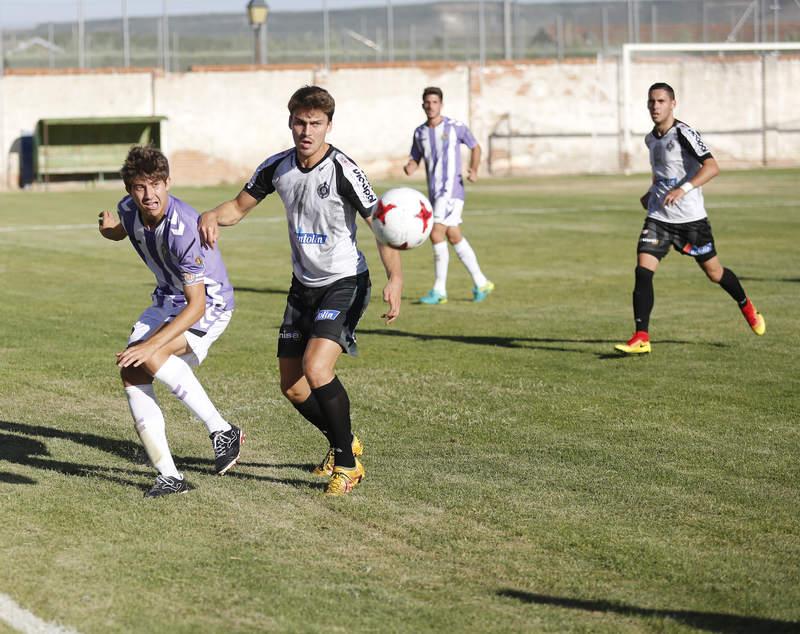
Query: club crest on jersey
{"x": 324, "y": 190}
{"x": 198, "y": 260}
{"x": 670, "y": 145}
{"x": 327, "y": 315}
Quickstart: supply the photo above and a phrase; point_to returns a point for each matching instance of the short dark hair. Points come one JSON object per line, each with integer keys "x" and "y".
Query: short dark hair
{"x": 144, "y": 161}
{"x": 660, "y": 85}
{"x": 312, "y": 98}
{"x": 433, "y": 90}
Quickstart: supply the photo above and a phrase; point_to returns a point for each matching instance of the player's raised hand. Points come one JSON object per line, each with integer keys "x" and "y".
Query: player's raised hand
{"x": 208, "y": 227}
{"x": 106, "y": 220}
{"x": 109, "y": 226}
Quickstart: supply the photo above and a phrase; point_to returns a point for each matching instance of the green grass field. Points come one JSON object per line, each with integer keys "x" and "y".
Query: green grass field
{"x": 520, "y": 476}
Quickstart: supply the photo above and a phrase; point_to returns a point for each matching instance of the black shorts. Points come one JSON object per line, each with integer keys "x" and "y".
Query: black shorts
{"x": 329, "y": 312}
{"x": 689, "y": 238}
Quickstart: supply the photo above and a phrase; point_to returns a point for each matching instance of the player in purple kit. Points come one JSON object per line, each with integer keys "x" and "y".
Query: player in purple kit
{"x": 192, "y": 306}
{"x": 438, "y": 141}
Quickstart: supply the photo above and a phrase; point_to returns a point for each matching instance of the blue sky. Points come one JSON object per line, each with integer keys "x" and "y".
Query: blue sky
{"x": 25, "y": 13}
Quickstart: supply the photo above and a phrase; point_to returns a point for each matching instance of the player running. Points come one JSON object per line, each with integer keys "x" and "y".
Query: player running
{"x": 676, "y": 215}
{"x": 439, "y": 141}
{"x": 322, "y": 190}
{"x": 192, "y": 306}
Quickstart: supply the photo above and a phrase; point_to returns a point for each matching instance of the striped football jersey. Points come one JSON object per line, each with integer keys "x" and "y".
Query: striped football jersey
{"x": 321, "y": 204}
{"x": 172, "y": 251}
{"x": 675, "y": 157}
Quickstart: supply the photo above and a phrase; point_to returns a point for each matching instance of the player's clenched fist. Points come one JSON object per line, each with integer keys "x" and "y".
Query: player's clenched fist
{"x": 110, "y": 227}
{"x": 105, "y": 220}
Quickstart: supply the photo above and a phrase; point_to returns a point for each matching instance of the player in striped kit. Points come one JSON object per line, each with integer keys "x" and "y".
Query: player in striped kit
{"x": 192, "y": 306}
{"x": 323, "y": 191}
{"x": 438, "y": 141}
{"x": 676, "y": 215}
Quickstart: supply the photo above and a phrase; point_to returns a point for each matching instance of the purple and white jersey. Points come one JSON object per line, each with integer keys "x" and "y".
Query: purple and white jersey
{"x": 441, "y": 149}
{"x": 321, "y": 204}
{"x": 675, "y": 157}
{"x": 172, "y": 251}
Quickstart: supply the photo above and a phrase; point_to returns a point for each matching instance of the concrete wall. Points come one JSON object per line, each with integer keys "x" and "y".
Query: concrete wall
{"x": 563, "y": 117}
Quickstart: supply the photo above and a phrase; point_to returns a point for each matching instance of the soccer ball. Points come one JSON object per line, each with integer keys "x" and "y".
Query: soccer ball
{"x": 403, "y": 218}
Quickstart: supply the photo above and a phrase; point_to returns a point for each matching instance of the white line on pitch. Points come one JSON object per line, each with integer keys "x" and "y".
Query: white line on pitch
{"x": 82, "y": 227}
{"x": 476, "y": 212}
{"x": 22, "y": 620}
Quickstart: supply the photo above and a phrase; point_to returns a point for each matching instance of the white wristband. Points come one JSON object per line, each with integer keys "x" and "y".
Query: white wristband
{"x": 687, "y": 187}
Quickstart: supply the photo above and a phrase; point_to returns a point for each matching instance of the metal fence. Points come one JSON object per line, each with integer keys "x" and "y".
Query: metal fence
{"x": 173, "y": 38}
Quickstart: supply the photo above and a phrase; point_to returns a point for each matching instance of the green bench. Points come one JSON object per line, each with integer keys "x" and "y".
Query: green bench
{"x": 89, "y": 147}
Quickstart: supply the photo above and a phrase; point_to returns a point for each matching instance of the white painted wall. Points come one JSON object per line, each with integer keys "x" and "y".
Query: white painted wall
{"x": 220, "y": 125}
{"x": 25, "y": 99}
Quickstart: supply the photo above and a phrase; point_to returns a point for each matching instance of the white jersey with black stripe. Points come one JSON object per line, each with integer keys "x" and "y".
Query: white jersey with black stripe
{"x": 321, "y": 205}
{"x": 675, "y": 157}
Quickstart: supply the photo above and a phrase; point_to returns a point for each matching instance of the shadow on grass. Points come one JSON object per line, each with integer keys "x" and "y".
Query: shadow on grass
{"x": 34, "y": 453}
{"x": 13, "y": 478}
{"x": 527, "y": 343}
{"x": 18, "y": 448}
{"x": 206, "y": 466}
{"x": 744, "y": 278}
{"x": 478, "y": 340}
{"x": 709, "y": 621}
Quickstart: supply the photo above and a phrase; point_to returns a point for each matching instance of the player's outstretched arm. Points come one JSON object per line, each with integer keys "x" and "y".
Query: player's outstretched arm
{"x": 224, "y": 215}
{"x": 110, "y": 228}
{"x": 143, "y": 352}
{"x": 707, "y": 171}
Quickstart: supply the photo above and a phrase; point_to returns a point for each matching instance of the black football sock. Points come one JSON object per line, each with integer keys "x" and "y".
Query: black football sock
{"x": 335, "y": 405}
{"x": 311, "y": 411}
{"x": 643, "y": 298}
{"x": 733, "y": 287}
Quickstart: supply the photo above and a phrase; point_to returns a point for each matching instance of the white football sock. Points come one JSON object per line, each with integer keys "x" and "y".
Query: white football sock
{"x": 441, "y": 258}
{"x": 467, "y": 256}
{"x": 149, "y": 423}
{"x": 179, "y": 378}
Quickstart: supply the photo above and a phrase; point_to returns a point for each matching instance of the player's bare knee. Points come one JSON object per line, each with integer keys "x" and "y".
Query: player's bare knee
{"x": 293, "y": 393}
{"x": 134, "y": 376}
{"x": 317, "y": 373}
{"x": 713, "y": 273}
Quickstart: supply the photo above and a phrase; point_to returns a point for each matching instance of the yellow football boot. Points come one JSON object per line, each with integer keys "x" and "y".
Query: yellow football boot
{"x": 325, "y": 468}
{"x": 344, "y": 480}
{"x": 638, "y": 344}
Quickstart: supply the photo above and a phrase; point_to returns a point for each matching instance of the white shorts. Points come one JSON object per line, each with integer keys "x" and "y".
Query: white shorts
{"x": 447, "y": 211}
{"x": 200, "y": 336}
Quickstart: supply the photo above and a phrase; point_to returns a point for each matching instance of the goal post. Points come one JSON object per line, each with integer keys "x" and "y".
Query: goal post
{"x": 629, "y": 50}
